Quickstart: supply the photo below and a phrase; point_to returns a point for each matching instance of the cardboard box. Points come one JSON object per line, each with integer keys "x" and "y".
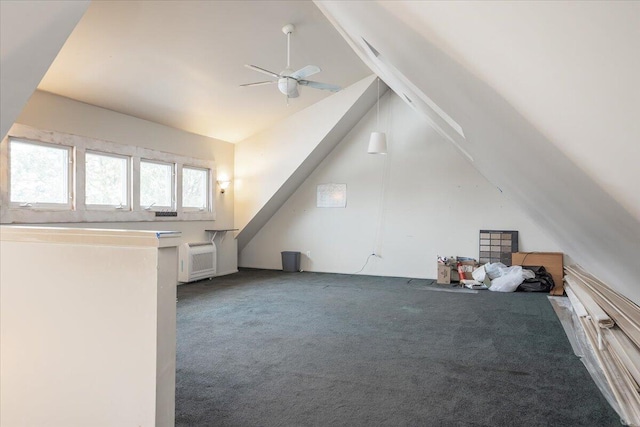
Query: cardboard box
{"x": 465, "y": 268}
{"x": 472, "y": 263}
{"x": 444, "y": 274}
{"x": 551, "y": 261}
{"x": 449, "y": 274}
{"x": 455, "y": 276}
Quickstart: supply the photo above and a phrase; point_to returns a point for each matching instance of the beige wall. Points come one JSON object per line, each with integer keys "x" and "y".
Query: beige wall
{"x": 88, "y": 328}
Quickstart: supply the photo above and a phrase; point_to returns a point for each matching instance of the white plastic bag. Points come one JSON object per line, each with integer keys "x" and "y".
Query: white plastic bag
{"x": 528, "y": 274}
{"x": 494, "y": 270}
{"x": 508, "y": 281}
{"x": 479, "y": 274}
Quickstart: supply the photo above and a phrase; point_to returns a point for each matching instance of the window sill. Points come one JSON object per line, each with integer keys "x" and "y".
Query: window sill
{"x": 40, "y": 216}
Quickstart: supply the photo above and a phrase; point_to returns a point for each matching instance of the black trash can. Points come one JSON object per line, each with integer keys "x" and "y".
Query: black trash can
{"x": 290, "y": 261}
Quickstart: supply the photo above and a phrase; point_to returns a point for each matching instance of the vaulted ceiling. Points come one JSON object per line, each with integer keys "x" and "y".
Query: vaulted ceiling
{"x": 181, "y": 63}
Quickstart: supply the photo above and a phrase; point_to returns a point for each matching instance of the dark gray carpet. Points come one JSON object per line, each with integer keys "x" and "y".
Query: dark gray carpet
{"x": 266, "y": 348}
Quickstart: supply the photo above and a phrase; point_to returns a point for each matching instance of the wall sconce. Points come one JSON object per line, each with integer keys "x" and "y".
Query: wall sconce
{"x": 224, "y": 184}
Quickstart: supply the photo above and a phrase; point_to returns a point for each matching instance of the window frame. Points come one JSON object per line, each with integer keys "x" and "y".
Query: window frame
{"x": 95, "y": 206}
{"x": 154, "y": 207}
{"x": 69, "y": 205}
{"x": 207, "y": 206}
{"x": 79, "y": 212}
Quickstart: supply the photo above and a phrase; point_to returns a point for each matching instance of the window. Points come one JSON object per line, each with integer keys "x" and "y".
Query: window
{"x": 106, "y": 181}
{"x": 195, "y": 188}
{"x": 40, "y": 175}
{"x": 156, "y": 185}
{"x": 48, "y": 176}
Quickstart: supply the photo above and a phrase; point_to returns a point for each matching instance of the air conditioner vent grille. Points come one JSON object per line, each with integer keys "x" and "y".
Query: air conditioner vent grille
{"x": 202, "y": 262}
{"x": 196, "y": 261}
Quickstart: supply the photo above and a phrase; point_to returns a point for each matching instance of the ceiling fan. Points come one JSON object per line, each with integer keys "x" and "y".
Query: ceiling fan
{"x": 288, "y": 80}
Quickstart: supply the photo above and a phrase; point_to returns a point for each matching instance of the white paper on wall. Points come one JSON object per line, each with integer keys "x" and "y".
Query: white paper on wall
{"x": 332, "y": 196}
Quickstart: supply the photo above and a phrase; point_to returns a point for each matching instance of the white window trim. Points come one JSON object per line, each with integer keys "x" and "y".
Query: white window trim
{"x": 34, "y": 204}
{"x": 80, "y": 213}
{"x": 125, "y": 206}
{"x": 209, "y": 193}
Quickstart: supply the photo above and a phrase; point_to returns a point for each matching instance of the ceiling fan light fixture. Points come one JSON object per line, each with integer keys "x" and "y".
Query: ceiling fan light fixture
{"x": 288, "y": 80}
{"x": 288, "y": 87}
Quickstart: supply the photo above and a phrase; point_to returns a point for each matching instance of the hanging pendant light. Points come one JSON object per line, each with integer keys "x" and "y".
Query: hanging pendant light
{"x": 378, "y": 140}
{"x": 377, "y": 143}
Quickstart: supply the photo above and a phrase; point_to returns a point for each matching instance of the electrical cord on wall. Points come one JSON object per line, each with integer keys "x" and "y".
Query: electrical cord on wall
{"x": 365, "y": 264}
{"x": 386, "y": 172}
{"x": 525, "y": 258}
{"x": 381, "y": 208}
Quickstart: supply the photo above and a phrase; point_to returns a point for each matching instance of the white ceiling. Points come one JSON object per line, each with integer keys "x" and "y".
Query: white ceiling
{"x": 181, "y": 63}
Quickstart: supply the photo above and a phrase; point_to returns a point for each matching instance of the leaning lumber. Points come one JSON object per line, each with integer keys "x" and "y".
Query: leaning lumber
{"x": 621, "y": 385}
{"x": 598, "y": 315}
{"x": 624, "y": 312}
{"x": 612, "y": 326}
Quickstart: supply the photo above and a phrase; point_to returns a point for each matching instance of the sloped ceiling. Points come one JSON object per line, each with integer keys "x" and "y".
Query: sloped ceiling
{"x": 180, "y": 63}
{"x": 26, "y": 50}
{"x": 570, "y": 68}
{"x": 530, "y": 113}
{"x": 271, "y": 165}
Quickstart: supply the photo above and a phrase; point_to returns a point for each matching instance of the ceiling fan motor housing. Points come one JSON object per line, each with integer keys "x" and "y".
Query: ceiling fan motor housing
{"x": 288, "y": 86}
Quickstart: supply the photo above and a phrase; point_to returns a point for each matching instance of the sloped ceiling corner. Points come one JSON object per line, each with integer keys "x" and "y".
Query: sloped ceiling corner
{"x": 507, "y": 145}
{"x": 270, "y": 166}
{"x": 32, "y": 34}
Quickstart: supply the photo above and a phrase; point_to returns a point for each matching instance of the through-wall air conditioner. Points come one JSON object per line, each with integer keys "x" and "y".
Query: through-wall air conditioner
{"x": 196, "y": 261}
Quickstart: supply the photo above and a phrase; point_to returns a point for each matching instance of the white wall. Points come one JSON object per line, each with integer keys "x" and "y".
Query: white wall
{"x": 271, "y": 164}
{"x": 52, "y": 112}
{"x": 524, "y": 151}
{"x": 88, "y": 334}
{"x": 434, "y": 203}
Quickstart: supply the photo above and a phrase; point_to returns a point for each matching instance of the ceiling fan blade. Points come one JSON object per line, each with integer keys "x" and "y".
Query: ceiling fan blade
{"x": 263, "y": 71}
{"x": 307, "y": 71}
{"x": 318, "y": 85}
{"x": 260, "y": 83}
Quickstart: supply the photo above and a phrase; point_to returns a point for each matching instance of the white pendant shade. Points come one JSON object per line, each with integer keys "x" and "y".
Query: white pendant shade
{"x": 378, "y": 140}
{"x": 378, "y": 143}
